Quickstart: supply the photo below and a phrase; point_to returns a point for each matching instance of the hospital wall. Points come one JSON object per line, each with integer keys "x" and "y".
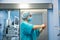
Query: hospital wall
{"x": 53, "y": 21}
{"x": 59, "y": 13}
{"x": 59, "y": 10}
{"x": 53, "y": 18}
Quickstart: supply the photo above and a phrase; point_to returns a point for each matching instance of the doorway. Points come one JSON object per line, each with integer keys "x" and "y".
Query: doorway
{"x": 39, "y": 16}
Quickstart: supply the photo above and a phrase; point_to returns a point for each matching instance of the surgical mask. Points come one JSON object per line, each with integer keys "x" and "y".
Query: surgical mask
{"x": 29, "y": 19}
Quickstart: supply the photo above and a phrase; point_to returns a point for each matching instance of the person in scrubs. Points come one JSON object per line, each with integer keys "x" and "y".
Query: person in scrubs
{"x": 29, "y": 31}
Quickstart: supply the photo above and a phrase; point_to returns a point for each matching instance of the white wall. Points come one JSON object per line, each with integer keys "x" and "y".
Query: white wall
{"x": 54, "y": 21}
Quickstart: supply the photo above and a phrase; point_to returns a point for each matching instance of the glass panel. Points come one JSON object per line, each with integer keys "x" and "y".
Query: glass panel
{"x": 9, "y": 24}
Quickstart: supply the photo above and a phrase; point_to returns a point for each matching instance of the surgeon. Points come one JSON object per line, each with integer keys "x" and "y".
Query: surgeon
{"x": 29, "y": 31}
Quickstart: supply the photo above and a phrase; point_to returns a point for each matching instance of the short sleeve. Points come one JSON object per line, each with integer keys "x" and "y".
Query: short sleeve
{"x": 28, "y": 28}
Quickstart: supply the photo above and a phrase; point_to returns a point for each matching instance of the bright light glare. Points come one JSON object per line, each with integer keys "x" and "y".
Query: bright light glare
{"x": 24, "y": 6}
{"x": 9, "y": 14}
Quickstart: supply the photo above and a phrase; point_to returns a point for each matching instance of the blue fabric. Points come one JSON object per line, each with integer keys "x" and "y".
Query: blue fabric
{"x": 25, "y": 15}
{"x": 27, "y": 32}
{"x": 29, "y": 19}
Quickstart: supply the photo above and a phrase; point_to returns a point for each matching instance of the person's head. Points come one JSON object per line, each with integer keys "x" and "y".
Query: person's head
{"x": 27, "y": 16}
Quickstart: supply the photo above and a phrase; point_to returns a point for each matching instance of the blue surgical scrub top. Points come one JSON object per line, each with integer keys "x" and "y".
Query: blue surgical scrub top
{"x": 27, "y": 32}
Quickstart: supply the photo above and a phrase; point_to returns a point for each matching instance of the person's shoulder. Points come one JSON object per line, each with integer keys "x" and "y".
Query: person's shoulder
{"x": 23, "y": 23}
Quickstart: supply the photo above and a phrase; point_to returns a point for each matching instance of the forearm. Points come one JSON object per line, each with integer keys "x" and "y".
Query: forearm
{"x": 37, "y": 26}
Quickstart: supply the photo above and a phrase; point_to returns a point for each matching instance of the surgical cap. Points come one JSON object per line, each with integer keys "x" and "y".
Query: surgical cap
{"x": 25, "y": 15}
